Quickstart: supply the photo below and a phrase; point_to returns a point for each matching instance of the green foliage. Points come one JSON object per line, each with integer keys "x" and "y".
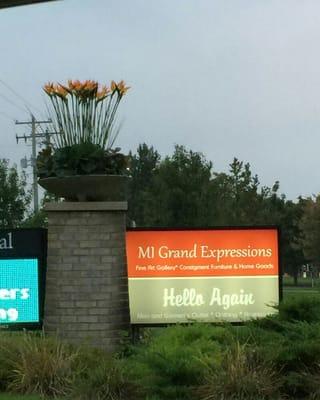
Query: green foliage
{"x": 142, "y": 170}
{"x": 173, "y": 192}
{"x": 301, "y": 309}
{"x": 14, "y": 197}
{"x": 302, "y": 385}
{"x": 171, "y": 364}
{"x": 272, "y": 358}
{"x": 238, "y": 190}
{"x": 35, "y": 220}
{"x": 310, "y": 224}
{"x": 242, "y": 375}
{"x": 80, "y": 159}
{"x": 48, "y": 367}
{"x": 9, "y": 352}
{"x": 101, "y": 377}
{"x": 18, "y": 397}
{"x": 41, "y": 366}
{"x": 39, "y": 219}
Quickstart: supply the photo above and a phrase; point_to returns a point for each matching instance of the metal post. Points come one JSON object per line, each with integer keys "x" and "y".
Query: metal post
{"x": 33, "y": 160}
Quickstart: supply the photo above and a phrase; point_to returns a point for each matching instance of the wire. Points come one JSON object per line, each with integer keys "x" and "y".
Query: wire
{"x": 24, "y": 100}
{"x": 6, "y": 116}
{"x": 11, "y": 102}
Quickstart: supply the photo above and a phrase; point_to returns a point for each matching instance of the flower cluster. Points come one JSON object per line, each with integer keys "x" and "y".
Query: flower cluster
{"x": 84, "y": 112}
{"x": 86, "y": 90}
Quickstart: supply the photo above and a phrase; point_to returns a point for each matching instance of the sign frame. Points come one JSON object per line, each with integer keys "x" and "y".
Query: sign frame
{"x": 136, "y": 326}
{"x": 37, "y": 237}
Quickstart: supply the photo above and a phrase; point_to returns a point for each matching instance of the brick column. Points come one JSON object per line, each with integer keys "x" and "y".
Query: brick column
{"x": 87, "y": 286}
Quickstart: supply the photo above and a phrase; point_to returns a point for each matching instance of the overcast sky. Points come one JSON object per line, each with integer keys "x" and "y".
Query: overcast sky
{"x": 235, "y": 78}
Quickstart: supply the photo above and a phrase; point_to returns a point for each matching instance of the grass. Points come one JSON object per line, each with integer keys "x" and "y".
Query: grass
{"x": 302, "y": 282}
{"x": 304, "y": 287}
{"x": 16, "y": 397}
{"x": 5, "y": 396}
{"x": 291, "y": 292}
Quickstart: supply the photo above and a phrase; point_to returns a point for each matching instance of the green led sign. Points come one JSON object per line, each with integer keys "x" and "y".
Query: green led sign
{"x": 22, "y": 278}
{"x": 19, "y": 291}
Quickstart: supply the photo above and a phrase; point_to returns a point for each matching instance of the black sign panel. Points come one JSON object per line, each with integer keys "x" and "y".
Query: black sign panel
{"x": 22, "y": 277}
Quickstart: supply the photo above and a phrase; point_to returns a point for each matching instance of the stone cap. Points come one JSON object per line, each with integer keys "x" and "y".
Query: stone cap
{"x": 87, "y": 206}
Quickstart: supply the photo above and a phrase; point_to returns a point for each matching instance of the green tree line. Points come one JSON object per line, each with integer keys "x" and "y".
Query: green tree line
{"x": 183, "y": 190}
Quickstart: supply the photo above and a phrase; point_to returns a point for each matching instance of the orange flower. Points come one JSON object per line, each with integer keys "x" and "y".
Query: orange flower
{"x": 123, "y": 88}
{"x": 102, "y": 93}
{"x": 49, "y": 88}
{"x": 91, "y": 85}
{"x": 119, "y": 87}
{"x": 61, "y": 91}
{"x": 113, "y": 86}
{"x": 74, "y": 85}
{"x": 88, "y": 89}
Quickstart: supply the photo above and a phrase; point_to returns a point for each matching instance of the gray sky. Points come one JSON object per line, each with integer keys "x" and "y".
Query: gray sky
{"x": 235, "y": 78}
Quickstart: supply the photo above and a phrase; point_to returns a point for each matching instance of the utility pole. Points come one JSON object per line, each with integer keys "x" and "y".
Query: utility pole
{"x": 33, "y": 159}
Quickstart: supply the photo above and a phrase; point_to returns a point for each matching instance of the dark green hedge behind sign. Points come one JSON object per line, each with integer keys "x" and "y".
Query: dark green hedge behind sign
{"x": 22, "y": 277}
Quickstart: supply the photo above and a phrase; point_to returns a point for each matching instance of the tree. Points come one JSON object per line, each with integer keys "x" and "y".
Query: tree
{"x": 14, "y": 198}
{"x": 292, "y": 238}
{"x": 39, "y": 219}
{"x": 142, "y": 169}
{"x": 182, "y": 190}
{"x": 310, "y": 224}
{"x": 171, "y": 192}
{"x": 177, "y": 193}
{"x": 235, "y": 195}
{"x": 244, "y": 202}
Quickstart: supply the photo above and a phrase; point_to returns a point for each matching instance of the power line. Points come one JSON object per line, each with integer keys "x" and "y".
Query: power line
{"x": 7, "y": 116}
{"x": 24, "y": 100}
{"x": 11, "y": 102}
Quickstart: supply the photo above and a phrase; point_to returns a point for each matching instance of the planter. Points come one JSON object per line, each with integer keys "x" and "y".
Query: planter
{"x": 87, "y": 187}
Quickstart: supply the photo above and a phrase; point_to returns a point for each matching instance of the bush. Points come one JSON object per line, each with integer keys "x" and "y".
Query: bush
{"x": 241, "y": 376}
{"x": 40, "y": 366}
{"x": 48, "y": 367}
{"x": 101, "y": 377}
{"x": 261, "y": 359}
{"x": 305, "y": 308}
{"x": 171, "y": 364}
{"x": 10, "y": 345}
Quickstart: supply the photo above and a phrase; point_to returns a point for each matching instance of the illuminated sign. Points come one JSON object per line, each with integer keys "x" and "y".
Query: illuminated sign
{"x": 19, "y": 291}
{"x": 22, "y": 275}
{"x": 202, "y": 275}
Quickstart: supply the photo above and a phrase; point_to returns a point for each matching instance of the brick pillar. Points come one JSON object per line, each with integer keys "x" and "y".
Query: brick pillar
{"x": 86, "y": 285}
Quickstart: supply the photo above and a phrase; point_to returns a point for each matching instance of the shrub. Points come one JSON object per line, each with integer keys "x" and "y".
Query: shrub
{"x": 35, "y": 364}
{"x": 304, "y": 308}
{"x": 302, "y": 385}
{"x": 242, "y": 376}
{"x": 41, "y": 366}
{"x": 10, "y": 345}
{"x": 101, "y": 377}
{"x": 171, "y": 364}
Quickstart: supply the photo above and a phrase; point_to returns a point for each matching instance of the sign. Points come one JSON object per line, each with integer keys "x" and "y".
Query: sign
{"x": 22, "y": 274}
{"x": 202, "y": 275}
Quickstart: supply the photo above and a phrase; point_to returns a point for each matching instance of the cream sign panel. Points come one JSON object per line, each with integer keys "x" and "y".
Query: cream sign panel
{"x": 203, "y": 275}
